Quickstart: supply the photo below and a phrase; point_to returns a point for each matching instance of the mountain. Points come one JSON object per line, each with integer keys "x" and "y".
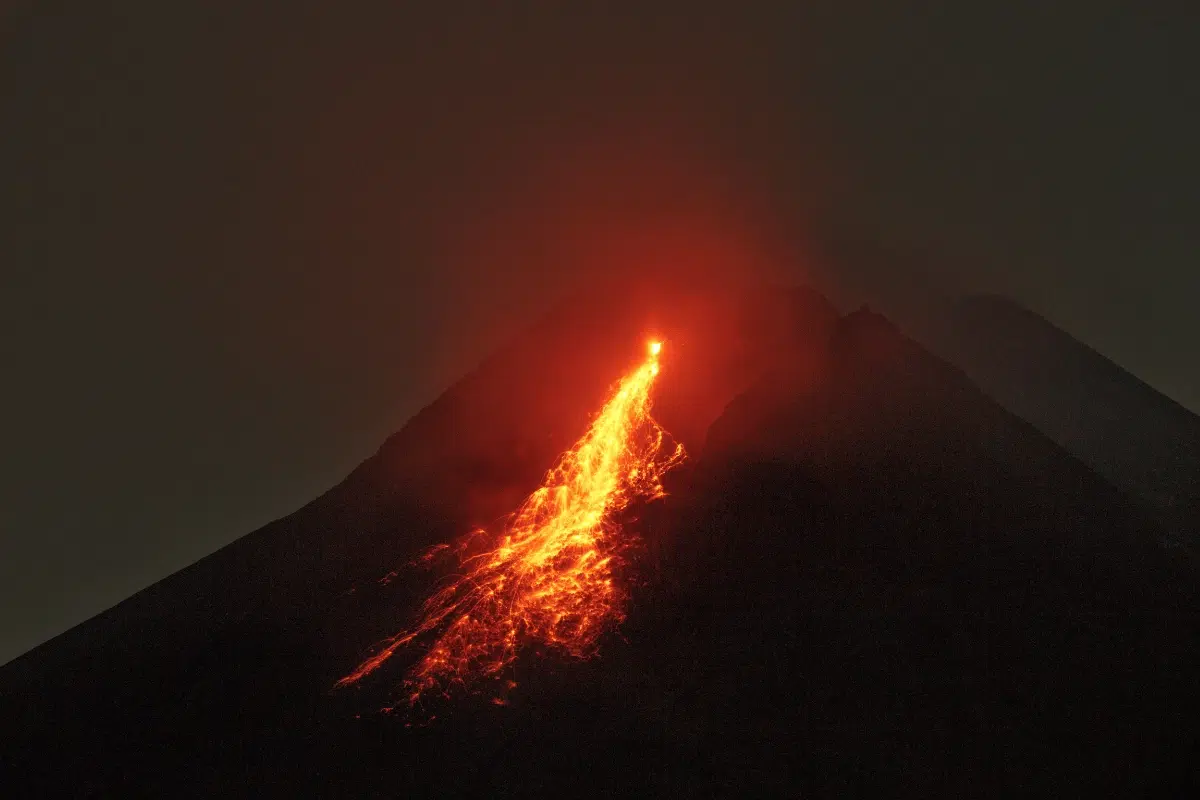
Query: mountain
{"x": 868, "y": 575}
{"x": 1142, "y": 441}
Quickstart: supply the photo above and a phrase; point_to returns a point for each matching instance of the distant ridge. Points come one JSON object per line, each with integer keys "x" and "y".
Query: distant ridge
{"x": 1143, "y": 441}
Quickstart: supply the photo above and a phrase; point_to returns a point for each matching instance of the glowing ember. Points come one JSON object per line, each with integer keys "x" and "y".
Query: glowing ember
{"x": 549, "y": 577}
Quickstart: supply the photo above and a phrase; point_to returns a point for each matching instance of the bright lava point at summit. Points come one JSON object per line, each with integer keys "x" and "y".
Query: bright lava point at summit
{"x": 548, "y": 575}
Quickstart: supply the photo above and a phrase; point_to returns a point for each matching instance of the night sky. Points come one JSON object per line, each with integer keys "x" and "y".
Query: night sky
{"x": 241, "y": 246}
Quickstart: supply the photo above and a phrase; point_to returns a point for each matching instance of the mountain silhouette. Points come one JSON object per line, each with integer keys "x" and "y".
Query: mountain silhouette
{"x": 868, "y": 575}
{"x": 1142, "y": 441}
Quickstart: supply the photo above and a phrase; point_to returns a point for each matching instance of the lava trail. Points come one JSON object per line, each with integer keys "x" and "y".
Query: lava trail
{"x": 548, "y": 576}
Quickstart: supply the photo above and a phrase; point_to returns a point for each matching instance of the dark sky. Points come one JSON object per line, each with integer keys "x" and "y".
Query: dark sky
{"x": 243, "y": 242}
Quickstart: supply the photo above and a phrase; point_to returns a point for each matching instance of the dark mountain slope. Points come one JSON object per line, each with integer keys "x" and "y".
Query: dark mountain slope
{"x": 869, "y": 575}
{"x": 940, "y": 598}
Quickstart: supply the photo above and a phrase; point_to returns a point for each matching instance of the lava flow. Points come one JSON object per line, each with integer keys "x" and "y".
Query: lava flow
{"x": 549, "y": 575}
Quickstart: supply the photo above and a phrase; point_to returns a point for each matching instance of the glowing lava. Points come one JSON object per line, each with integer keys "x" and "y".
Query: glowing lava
{"x": 549, "y": 576}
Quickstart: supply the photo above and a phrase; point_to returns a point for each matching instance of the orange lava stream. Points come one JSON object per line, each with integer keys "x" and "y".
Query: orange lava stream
{"x": 549, "y": 578}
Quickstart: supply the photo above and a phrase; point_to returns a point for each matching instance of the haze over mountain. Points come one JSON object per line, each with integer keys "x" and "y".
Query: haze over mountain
{"x": 868, "y": 575}
{"x": 241, "y": 243}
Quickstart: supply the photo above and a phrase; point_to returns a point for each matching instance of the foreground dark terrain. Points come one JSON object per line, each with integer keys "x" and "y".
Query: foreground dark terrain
{"x": 867, "y": 575}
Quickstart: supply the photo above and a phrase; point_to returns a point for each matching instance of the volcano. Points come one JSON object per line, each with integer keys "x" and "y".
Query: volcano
{"x": 867, "y": 575}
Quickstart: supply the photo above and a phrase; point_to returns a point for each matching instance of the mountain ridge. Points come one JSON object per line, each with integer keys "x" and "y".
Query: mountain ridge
{"x": 1140, "y": 439}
